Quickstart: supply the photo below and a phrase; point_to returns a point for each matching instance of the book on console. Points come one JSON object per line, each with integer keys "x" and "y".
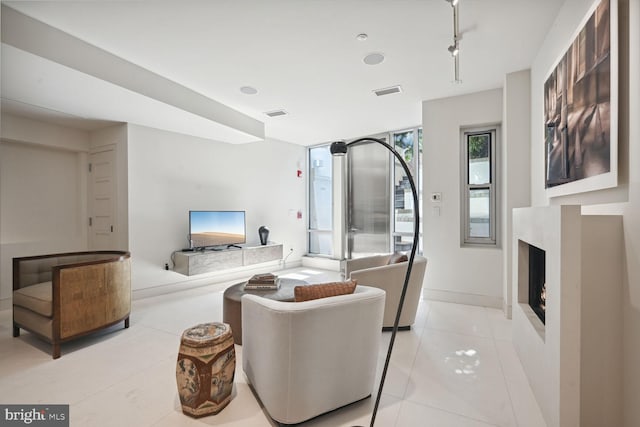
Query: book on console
{"x": 264, "y": 276}
{"x": 264, "y": 279}
{"x": 263, "y": 286}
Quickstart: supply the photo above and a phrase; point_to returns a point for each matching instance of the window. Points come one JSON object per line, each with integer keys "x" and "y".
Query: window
{"x": 408, "y": 144}
{"x": 320, "y": 191}
{"x": 393, "y": 215}
{"x": 479, "y": 190}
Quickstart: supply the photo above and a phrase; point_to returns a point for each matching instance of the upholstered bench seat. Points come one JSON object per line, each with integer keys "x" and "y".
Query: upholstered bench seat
{"x": 38, "y": 324}
{"x": 37, "y": 298}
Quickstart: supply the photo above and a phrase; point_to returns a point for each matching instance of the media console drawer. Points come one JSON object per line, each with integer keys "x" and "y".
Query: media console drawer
{"x": 191, "y": 263}
{"x": 258, "y": 254}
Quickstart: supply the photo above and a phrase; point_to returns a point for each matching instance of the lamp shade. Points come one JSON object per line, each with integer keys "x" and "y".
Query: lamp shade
{"x": 338, "y": 148}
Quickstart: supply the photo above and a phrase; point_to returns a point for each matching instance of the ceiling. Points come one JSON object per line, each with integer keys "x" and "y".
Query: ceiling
{"x": 179, "y": 65}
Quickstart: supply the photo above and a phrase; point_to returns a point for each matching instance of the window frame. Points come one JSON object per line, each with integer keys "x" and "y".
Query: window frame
{"x": 417, "y": 165}
{"x": 493, "y": 240}
{"x": 309, "y": 182}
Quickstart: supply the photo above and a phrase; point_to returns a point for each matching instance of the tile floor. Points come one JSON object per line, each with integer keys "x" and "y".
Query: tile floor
{"x": 457, "y": 367}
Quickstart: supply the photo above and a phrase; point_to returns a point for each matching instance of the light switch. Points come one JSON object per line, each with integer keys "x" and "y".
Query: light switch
{"x": 435, "y": 211}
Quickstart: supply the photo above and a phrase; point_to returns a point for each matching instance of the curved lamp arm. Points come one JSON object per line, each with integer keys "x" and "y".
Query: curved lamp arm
{"x": 340, "y": 148}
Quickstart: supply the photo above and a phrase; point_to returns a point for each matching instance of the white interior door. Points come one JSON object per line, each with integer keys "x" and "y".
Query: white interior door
{"x": 102, "y": 198}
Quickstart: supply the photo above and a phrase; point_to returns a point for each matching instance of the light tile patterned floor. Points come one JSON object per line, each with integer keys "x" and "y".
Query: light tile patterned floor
{"x": 457, "y": 367}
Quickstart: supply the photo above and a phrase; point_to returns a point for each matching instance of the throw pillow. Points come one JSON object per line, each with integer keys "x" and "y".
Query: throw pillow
{"x": 397, "y": 257}
{"x": 323, "y": 290}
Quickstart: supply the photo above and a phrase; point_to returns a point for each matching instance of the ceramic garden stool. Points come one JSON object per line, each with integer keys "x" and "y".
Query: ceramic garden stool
{"x": 205, "y": 369}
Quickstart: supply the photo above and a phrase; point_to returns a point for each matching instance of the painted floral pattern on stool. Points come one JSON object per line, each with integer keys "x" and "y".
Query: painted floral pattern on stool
{"x": 188, "y": 381}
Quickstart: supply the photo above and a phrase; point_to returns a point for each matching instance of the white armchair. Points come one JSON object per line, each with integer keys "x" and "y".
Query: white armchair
{"x": 307, "y": 358}
{"x": 375, "y": 271}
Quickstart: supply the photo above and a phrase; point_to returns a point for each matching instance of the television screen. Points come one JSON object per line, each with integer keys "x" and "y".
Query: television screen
{"x": 216, "y": 228}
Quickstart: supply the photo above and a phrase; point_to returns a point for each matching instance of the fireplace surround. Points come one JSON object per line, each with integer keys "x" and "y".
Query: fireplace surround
{"x": 572, "y": 356}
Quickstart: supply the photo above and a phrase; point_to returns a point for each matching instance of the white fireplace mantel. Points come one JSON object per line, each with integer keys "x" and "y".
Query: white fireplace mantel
{"x": 573, "y": 361}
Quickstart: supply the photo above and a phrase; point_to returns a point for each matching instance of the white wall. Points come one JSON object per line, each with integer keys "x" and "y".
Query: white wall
{"x": 161, "y": 176}
{"x": 43, "y": 192}
{"x": 454, "y": 273}
{"x": 516, "y": 165}
{"x": 623, "y": 200}
{"x": 46, "y": 134}
{"x": 170, "y": 174}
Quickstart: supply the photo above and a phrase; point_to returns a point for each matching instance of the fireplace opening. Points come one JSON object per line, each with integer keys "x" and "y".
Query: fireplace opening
{"x": 537, "y": 282}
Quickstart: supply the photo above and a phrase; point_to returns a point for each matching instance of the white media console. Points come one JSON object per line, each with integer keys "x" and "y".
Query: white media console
{"x": 198, "y": 262}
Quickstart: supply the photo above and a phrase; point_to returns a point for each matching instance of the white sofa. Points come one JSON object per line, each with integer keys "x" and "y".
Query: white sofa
{"x": 307, "y": 358}
{"x": 376, "y": 271}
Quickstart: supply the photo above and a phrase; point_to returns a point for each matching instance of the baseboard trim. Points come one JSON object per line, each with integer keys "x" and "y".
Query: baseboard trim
{"x": 321, "y": 262}
{"x": 507, "y": 310}
{"x": 462, "y": 298}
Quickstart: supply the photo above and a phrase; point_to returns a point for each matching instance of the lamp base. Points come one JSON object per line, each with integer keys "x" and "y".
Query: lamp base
{"x": 400, "y": 328}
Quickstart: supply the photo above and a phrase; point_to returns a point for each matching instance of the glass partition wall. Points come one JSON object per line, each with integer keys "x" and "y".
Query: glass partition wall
{"x": 379, "y": 204}
{"x": 368, "y": 199}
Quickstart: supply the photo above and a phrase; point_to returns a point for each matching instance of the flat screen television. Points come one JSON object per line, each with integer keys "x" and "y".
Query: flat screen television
{"x": 216, "y": 228}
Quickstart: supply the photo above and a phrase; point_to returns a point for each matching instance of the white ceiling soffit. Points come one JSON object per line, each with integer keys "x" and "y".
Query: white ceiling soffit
{"x": 48, "y": 115}
{"x": 301, "y": 56}
{"x": 42, "y": 78}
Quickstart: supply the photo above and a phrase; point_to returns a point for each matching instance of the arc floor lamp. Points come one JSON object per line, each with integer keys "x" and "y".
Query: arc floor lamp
{"x": 340, "y": 148}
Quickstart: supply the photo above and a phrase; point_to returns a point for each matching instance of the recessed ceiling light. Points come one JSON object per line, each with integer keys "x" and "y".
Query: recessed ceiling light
{"x": 362, "y": 37}
{"x": 373, "y": 58}
{"x": 248, "y": 90}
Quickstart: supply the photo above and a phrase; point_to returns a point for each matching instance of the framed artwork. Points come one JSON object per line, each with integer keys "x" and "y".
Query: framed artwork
{"x": 581, "y": 108}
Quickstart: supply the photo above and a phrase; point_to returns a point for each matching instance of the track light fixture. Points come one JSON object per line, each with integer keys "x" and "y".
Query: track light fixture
{"x": 454, "y": 49}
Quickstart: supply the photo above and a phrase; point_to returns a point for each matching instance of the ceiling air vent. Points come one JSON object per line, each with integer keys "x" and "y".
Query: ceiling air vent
{"x": 276, "y": 113}
{"x": 388, "y": 90}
